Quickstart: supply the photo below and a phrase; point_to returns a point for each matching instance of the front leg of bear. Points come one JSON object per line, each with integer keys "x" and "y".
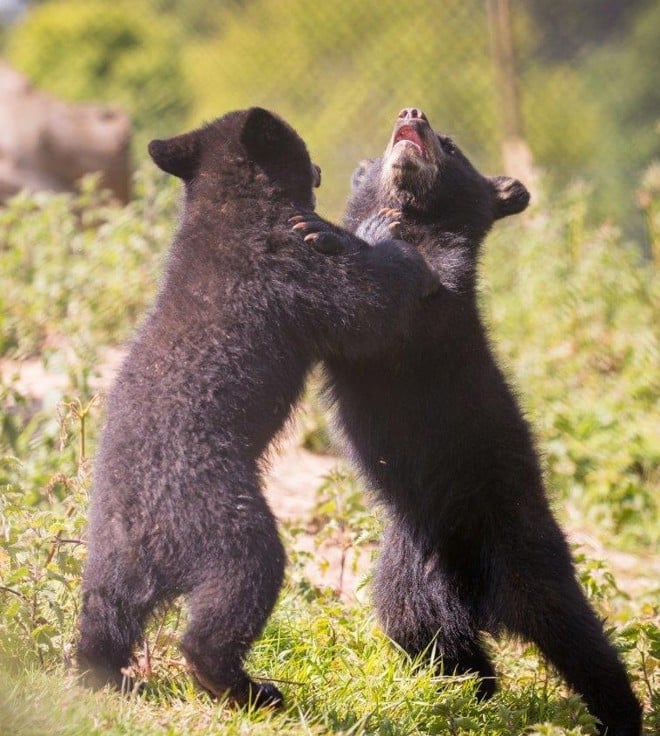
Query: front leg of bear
{"x": 377, "y": 291}
{"x": 392, "y": 260}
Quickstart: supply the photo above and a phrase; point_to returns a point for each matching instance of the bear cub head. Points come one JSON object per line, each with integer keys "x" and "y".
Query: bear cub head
{"x": 423, "y": 173}
{"x": 238, "y": 150}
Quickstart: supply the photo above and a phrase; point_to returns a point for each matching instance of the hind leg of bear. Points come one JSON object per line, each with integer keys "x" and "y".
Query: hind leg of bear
{"x": 546, "y": 605}
{"x": 422, "y": 611}
{"x": 110, "y": 626}
{"x": 227, "y": 612}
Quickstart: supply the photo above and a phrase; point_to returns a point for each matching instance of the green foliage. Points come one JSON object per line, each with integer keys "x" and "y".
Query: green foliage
{"x": 198, "y": 17}
{"x": 640, "y": 639}
{"x": 628, "y": 92}
{"x": 574, "y": 316}
{"x": 119, "y": 52}
{"x": 342, "y": 519}
{"x": 34, "y": 703}
{"x": 559, "y": 134}
{"x": 73, "y": 267}
{"x": 648, "y": 201}
{"x": 335, "y": 73}
{"x": 617, "y": 79}
{"x": 40, "y": 563}
{"x": 315, "y": 434}
{"x": 341, "y": 71}
{"x": 596, "y": 579}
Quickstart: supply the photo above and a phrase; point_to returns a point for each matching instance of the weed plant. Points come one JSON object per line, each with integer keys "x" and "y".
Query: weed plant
{"x": 573, "y": 313}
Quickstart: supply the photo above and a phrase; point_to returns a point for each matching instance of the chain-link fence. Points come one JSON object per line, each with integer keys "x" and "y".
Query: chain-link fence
{"x": 574, "y": 82}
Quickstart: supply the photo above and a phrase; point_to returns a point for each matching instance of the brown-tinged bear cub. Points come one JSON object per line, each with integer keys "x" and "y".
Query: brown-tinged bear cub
{"x": 471, "y": 544}
{"x": 245, "y": 309}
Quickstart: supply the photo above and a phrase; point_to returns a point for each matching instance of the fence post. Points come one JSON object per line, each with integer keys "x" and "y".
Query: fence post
{"x": 516, "y": 154}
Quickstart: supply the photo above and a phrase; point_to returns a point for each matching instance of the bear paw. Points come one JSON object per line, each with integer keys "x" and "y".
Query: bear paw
{"x": 256, "y": 695}
{"x": 318, "y": 233}
{"x": 384, "y": 225}
{"x": 266, "y": 695}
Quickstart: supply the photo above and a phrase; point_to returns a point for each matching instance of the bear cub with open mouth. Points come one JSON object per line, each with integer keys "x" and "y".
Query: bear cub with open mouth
{"x": 470, "y": 544}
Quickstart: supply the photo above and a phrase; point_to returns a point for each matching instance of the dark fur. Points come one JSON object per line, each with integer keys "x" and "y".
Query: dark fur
{"x": 471, "y": 544}
{"x": 246, "y": 307}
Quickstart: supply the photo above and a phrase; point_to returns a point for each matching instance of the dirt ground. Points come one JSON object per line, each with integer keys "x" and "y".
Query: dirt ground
{"x": 291, "y": 484}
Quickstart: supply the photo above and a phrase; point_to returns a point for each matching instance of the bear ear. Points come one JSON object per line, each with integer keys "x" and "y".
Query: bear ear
{"x": 262, "y": 132}
{"x": 178, "y": 156}
{"x": 510, "y": 197}
{"x": 360, "y": 172}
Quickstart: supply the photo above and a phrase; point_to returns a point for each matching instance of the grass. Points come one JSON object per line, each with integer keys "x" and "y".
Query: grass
{"x": 573, "y": 313}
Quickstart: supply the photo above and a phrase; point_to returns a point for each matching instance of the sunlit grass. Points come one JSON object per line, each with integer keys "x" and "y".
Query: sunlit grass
{"x": 573, "y": 316}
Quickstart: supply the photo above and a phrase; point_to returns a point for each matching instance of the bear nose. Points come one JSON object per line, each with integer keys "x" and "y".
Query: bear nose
{"x": 412, "y": 113}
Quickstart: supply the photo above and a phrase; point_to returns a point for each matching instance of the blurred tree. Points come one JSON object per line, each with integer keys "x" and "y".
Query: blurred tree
{"x": 196, "y": 17}
{"x": 625, "y": 77}
{"x": 594, "y": 110}
{"x": 341, "y": 71}
{"x": 567, "y": 28}
{"x": 115, "y": 52}
{"x": 341, "y": 74}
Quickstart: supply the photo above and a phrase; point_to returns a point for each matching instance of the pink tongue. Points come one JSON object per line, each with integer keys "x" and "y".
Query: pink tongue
{"x": 408, "y": 133}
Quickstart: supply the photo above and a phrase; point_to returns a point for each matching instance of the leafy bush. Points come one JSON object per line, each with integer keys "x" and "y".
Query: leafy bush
{"x": 119, "y": 52}
{"x": 630, "y": 99}
{"x": 41, "y": 563}
{"x": 574, "y": 315}
{"x": 572, "y": 311}
{"x": 75, "y": 269}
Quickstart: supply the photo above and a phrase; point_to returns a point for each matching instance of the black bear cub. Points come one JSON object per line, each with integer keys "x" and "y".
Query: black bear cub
{"x": 471, "y": 544}
{"x": 245, "y": 308}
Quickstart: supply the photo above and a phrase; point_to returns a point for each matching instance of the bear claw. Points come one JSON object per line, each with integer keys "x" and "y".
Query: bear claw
{"x": 317, "y": 233}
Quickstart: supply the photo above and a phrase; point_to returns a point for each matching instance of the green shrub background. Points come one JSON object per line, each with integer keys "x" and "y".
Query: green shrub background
{"x": 569, "y": 290}
{"x": 573, "y": 315}
{"x": 341, "y": 71}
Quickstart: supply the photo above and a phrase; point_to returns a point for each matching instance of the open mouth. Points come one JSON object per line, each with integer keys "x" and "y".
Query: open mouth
{"x": 409, "y": 134}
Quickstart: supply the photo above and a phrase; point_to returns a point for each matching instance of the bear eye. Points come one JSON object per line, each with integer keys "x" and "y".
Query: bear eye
{"x": 447, "y": 146}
